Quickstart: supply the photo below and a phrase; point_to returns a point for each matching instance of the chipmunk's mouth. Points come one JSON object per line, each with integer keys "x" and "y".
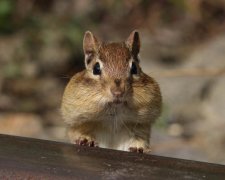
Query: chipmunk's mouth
{"x": 118, "y": 101}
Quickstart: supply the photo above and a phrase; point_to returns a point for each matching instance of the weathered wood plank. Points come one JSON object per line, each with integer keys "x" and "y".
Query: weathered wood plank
{"x": 22, "y": 158}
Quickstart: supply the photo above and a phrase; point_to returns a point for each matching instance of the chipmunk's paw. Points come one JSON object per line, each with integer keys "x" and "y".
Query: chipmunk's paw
{"x": 136, "y": 150}
{"x": 85, "y": 142}
{"x": 139, "y": 146}
{"x": 93, "y": 144}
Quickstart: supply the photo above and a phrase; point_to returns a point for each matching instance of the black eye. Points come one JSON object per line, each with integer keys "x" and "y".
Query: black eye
{"x": 133, "y": 69}
{"x": 96, "y": 69}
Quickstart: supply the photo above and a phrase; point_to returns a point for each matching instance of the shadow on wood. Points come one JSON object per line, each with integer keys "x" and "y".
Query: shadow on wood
{"x": 24, "y": 158}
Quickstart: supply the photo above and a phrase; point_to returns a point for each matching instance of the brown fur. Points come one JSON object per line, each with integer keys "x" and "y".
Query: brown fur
{"x": 89, "y": 107}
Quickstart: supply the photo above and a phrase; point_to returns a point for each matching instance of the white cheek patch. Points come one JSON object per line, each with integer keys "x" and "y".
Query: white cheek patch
{"x": 130, "y": 62}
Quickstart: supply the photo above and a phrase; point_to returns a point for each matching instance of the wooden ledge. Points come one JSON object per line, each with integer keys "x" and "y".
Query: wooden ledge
{"x": 26, "y": 158}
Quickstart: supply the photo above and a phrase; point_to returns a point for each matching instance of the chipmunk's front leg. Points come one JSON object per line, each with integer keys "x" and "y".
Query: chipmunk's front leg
{"x": 79, "y": 137}
{"x": 139, "y": 141}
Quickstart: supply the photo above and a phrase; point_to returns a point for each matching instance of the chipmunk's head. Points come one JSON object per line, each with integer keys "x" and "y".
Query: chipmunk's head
{"x": 114, "y": 66}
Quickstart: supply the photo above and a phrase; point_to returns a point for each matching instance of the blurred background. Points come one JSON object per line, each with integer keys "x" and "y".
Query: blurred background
{"x": 183, "y": 48}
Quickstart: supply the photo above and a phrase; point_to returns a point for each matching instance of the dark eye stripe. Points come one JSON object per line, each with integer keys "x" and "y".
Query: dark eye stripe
{"x": 97, "y": 69}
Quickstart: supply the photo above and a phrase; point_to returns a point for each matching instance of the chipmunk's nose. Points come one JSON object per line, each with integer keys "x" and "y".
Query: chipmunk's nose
{"x": 117, "y": 92}
{"x": 117, "y": 88}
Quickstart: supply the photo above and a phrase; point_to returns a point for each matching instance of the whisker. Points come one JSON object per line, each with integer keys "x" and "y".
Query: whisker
{"x": 64, "y": 77}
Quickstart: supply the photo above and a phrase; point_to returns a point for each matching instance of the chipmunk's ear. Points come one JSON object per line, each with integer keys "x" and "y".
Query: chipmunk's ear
{"x": 133, "y": 42}
{"x": 90, "y": 43}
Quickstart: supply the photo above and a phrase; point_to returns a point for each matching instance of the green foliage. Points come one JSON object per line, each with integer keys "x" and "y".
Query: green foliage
{"x": 6, "y": 9}
{"x": 179, "y": 4}
{"x": 74, "y": 35}
{"x": 11, "y": 70}
{"x": 33, "y": 22}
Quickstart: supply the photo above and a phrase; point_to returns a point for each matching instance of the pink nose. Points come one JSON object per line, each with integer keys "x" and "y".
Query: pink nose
{"x": 117, "y": 93}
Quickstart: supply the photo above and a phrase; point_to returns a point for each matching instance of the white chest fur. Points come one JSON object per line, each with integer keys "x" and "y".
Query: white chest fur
{"x": 115, "y": 130}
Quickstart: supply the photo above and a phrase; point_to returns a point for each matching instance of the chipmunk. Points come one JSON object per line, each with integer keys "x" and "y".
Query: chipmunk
{"x": 112, "y": 103}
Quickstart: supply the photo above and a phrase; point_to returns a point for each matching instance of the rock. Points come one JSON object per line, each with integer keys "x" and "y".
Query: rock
{"x": 22, "y": 124}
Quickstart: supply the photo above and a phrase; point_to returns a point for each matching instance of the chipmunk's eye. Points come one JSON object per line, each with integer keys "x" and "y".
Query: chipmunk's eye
{"x": 133, "y": 69}
{"x": 97, "y": 69}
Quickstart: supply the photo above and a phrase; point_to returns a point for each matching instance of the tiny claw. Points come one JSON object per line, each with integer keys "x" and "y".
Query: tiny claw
{"x": 83, "y": 142}
{"x": 136, "y": 150}
{"x": 92, "y": 144}
{"x": 140, "y": 150}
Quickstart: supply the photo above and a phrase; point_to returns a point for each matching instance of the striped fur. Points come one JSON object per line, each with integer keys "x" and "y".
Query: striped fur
{"x": 88, "y": 105}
